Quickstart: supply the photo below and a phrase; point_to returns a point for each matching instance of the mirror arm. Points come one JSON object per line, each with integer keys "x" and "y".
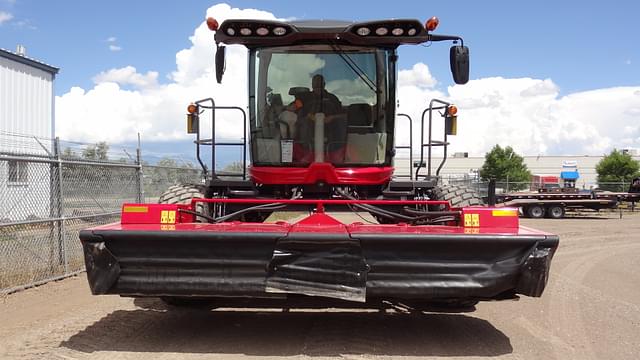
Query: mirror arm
{"x": 434, "y": 37}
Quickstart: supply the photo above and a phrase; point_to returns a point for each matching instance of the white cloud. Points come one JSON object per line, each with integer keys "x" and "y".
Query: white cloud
{"x": 114, "y": 47}
{"x": 110, "y": 113}
{"x": 128, "y": 76}
{"x": 5, "y": 16}
{"x": 111, "y": 39}
{"x": 419, "y": 76}
{"x": 627, "y": 62}
{"x": 528, "y": 114}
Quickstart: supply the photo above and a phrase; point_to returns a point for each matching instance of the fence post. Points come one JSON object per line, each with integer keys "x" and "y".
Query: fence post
{"x": 59, "y": 211}
{"x": 139, "y": 178}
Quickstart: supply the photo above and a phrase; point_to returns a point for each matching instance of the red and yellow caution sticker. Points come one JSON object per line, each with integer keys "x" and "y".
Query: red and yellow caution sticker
{"x": 168, "y": 217}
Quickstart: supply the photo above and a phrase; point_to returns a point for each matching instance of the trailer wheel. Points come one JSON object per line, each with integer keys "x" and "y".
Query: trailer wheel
{"x": 182, "y": 194}
{"x": 555, "y": 211}
{"x": 535, "y": 211}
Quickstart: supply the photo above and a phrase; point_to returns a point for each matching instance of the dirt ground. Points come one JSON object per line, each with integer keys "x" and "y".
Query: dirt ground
{"x": 590, "y": 310}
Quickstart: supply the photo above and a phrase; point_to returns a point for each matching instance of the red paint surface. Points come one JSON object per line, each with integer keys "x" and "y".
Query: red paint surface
{"x": 321, "y": 172}
{"x": 323, "y": 223}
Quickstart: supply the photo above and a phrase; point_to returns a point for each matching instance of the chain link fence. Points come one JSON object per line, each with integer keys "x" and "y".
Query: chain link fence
{"x": 51, "y": 189}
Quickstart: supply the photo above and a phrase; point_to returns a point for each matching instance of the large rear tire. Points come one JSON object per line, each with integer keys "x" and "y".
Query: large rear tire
{"x": 456, "y": 195}
{"x": 182, "y": 194}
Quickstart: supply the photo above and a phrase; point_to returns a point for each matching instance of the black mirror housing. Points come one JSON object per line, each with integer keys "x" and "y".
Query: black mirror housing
{"x": 459, "y": 59}
{"x": 220, "y": 62}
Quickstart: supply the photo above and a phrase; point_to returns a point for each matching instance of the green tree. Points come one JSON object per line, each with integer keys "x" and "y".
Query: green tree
{"x": 503, "y": 164}
{"x": 69, "y": 154}
{"x": 98, "y": 151}
{"x": 617, "y": 167}
{"x": 167, "y": 162}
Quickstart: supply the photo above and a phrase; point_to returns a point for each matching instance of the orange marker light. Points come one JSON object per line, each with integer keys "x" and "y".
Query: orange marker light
{"x": 192, "y": 108}
{"x": 432, "y": 24}
{"x": 452, "y": 110}
{"x": 212, "y": 24}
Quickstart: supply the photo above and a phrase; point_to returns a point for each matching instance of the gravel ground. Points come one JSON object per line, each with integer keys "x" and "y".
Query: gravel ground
{"x": 590, "y": 310}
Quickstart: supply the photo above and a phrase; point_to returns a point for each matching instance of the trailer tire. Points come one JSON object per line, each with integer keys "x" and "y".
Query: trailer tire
{"x": 555, "y": 211}
{"x": 182, "y": 194}
{"x": 535, "y": 211}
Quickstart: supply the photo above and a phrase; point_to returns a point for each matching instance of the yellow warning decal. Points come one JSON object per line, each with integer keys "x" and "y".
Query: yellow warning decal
{"x": 167, "y": 227}
{"x": 504, "y": 212}
{"x": 168, "y": 217}
{"x": 472, "y": 220}
{"x": 135, "y": 209}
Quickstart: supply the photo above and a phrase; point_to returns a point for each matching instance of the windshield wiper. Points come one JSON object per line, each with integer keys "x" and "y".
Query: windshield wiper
{"x": 355, "y": 68}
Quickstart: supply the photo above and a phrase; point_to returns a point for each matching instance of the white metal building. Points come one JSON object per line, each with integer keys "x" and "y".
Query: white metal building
{"x": 27, "y": 126}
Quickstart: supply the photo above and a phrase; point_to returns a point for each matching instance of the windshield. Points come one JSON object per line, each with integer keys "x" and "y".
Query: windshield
{"x": 319, "y": 104}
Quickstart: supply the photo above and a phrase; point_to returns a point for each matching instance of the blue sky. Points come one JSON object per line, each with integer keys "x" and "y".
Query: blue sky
{"x": 547, "y": 77}
{"x": 581, "y": 45}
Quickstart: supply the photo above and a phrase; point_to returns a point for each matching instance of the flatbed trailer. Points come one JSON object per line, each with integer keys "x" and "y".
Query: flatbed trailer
{"x": 555, "y": 205}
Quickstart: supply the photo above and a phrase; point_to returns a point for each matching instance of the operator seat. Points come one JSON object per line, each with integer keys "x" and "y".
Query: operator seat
{"x": 358, "y": 115}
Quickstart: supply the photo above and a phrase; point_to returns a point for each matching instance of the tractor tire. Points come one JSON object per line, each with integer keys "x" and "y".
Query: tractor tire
{"x": 555, "y": 211}
{"x": 182, "y": 194}
{"x": 535, "y": 211}
{"x": 457, "y": 195}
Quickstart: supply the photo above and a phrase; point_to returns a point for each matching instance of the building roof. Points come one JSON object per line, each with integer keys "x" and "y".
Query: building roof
{"x": 28, "y": 61}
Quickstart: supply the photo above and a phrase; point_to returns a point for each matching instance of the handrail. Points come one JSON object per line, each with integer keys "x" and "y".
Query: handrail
{"x": 212, "y": 141}
{"x": 410, "y": 147}
{"x": 431, "y": 142}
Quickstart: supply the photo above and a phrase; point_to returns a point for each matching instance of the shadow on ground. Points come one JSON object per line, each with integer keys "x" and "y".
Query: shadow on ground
{"x": 154, "y": 328}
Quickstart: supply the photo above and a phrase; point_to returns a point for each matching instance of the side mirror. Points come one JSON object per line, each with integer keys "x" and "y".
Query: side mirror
{"x": 220, "y": 63}
{"x": 459, "y": 59}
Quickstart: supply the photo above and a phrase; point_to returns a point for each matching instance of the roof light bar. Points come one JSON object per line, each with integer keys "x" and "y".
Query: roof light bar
{"x": 363, "y": 31}
{"x": 382, "y": 31}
